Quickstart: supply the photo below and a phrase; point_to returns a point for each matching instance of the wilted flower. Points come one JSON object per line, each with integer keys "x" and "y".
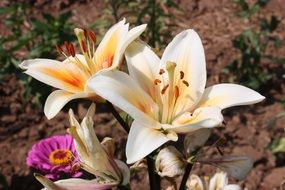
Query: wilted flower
{"x": 195, "y": 141}
{"x": 72, "y": 74}
{"x": 94, "y": 157}
{"x": 218, "y": 182}
{"x": 235, "y": 166}
{"x": 169, "y": 162}
{"x": 55, "y": 157}
{"x": 167, "y": 96}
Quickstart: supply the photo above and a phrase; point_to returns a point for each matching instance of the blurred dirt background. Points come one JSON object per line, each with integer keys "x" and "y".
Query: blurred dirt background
{"x": 249, "y": 130}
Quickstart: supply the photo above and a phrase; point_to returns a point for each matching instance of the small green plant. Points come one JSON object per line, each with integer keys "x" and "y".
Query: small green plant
{"x": 31, "y": 37}
{"x": 253, "y": 45}
{"x": 247, "y": 10}
{"x": 152, "y": 12}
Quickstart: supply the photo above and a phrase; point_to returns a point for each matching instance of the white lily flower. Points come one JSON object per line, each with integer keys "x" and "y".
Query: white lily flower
{"x": 167, "y": 96}
{"x": 218, "y": 182}
{"x": 72, "y": 74}
{"x": 94, "y": 156}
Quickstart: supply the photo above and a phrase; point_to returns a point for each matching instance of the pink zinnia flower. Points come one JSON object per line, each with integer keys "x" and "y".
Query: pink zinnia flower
{"x": 55, "y": 157}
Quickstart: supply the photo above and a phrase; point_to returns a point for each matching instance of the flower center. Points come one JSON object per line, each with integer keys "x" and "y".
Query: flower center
{"x": 171, "y": 88}
{"x": 61, "y": 157}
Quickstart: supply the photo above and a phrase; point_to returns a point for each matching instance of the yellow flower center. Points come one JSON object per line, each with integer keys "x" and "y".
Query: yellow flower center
{"x": 170, "y": 90}
{"x": 61, "y": 157}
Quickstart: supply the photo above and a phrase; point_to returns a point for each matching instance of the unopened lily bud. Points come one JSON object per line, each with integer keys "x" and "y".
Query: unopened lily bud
{"x": 220, "y": 181}
{"x": 169, "y": 162}
{"x": 236, "y": 166}
{"x": 196, "y": 140}
{"x": 194, "y": 183}
{"x": 139, "y": 165}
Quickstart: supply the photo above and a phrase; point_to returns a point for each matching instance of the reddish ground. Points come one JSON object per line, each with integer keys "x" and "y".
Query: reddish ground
{"x": 247, "y": 131}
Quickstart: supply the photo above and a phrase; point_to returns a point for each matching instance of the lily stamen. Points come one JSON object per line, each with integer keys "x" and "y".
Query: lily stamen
{"x": 181, "y": 75}
{"x": 161, "y": 71}
{"x": 186, "y": 83}
{"x": 92, "y": 36}
{"x": 84, "y": 46}
{"x": 164, "y": 89}
{"x": 59, "y": 49}
{"x": 157, "y": 81}
{"x": 176, "y": 91}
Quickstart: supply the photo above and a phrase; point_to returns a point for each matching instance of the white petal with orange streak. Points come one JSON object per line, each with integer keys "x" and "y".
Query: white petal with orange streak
{"x": 125, "y": 41}
{"x": 143, "y": 65}
{"x": 65, "y": 76}
{"x": 205, "y": 117}
{"x": 143, "y": 139}
{"x": 57, "y": 100}
{"x": 105, "y": 52}
{"x": 121, "y": 90}
{"x": 186, "y": 50}
{"x": 228, "y": 95}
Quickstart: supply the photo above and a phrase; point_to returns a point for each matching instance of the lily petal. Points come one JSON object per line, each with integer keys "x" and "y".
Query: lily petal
{"x": 57, "y": 99}
{"x": 143, "y": 140}
{"x": 218, "y": 181}
{"x": 143, "y": 66}
{"x": 121, "y": 90}
{"x": 228, "y": 95}
{"x": 63, "y": 75}
{"x": 92, "y": 155}
{"x": 72, "y": 184}
{"x": 232, "y": 187}
{"x": 125, "y": 42}
{"x": 169, "y": 162}
{"x": 194, "y": 183}
{"x": 114, "y": 44}
{"x": 196, "y": 140}
{"x": 205, "y": 117}
{"x": 186, "y": 50}
{"x": 125, "y": 172}
{"x": 105, "y": 52}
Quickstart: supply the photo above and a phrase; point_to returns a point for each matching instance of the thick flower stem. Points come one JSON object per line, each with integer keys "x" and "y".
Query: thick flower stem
{"x": 118, "y": 117}
{"x": 185, "y": 176}
{"x": 154, "y": 179}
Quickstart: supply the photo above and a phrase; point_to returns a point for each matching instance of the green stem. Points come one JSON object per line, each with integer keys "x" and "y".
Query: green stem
{"x": 185, "y": 176}
{"x": 118, "y": 117}
{"x": 154, "y": 179}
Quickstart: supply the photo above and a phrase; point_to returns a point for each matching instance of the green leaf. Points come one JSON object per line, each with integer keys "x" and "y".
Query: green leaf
{"x": 278, "y": 146}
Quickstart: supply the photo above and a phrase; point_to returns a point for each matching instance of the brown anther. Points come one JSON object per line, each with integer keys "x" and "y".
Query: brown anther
{"x": 92, "y": 36}
{"x": 58, "y": 49}
{"x": 157, "y": 81}
{"x": 85, "y": 33}
{"x": 176, "y": 91}
{"x": 181, "y": 75}
{"x": 67, "y": 47}
{"x": 164, "y": 89}
{"x": 84, "y": 46}
{"x": 71, "y": 49}
{"x": 186, "y": 83}
{"x": 161, "y": 71}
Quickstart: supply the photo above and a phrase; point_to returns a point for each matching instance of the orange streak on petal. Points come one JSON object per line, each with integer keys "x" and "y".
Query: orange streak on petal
{"x": 68, "y": 77}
